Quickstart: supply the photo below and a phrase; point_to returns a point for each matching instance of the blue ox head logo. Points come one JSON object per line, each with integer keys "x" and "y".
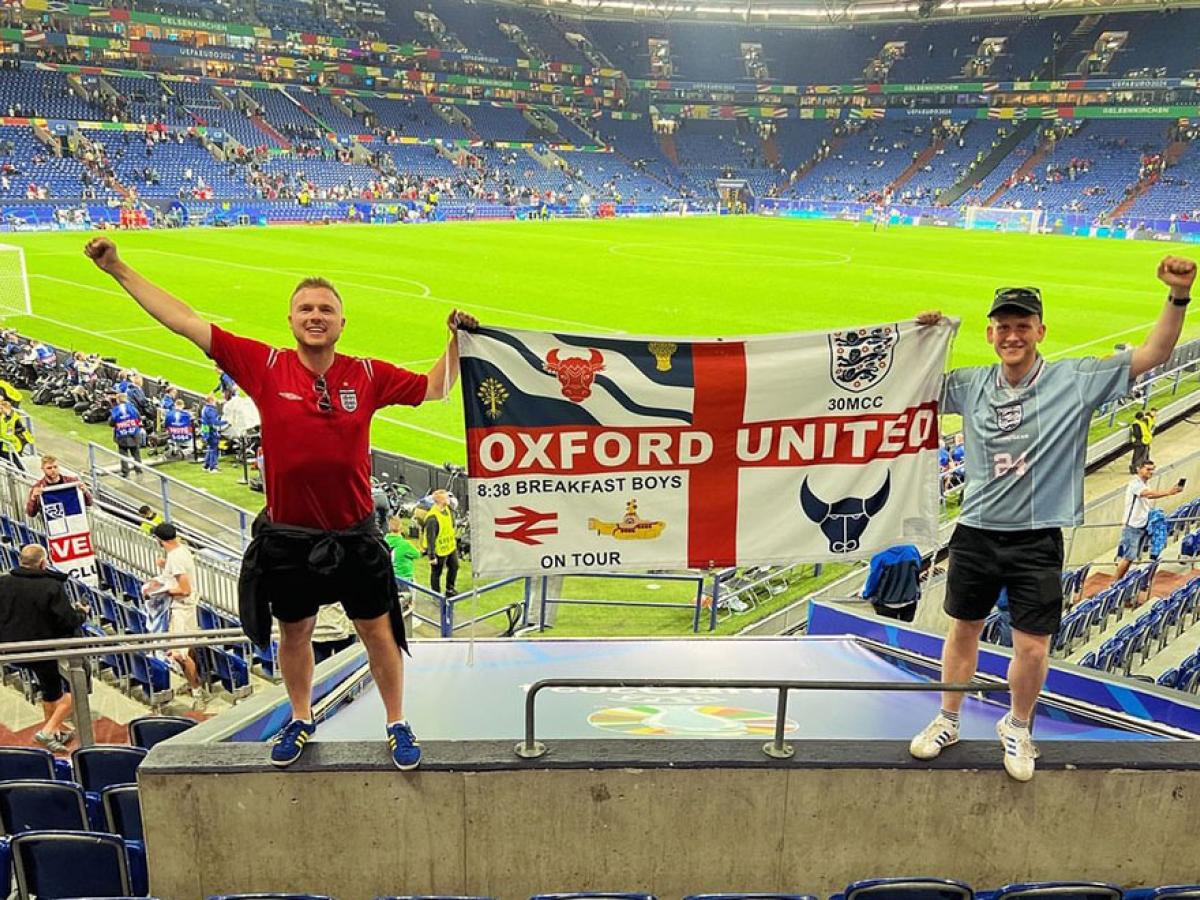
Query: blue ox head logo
{"x": 843, "y": 521}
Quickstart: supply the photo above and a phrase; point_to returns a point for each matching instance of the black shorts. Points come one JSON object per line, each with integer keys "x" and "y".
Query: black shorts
{"x": 1028, "y": 563}
{"x": 360, "y": 582}
{"x": 49, "y": 680}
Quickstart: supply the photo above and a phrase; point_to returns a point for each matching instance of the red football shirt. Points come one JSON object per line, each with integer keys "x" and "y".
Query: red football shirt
{"x": 318, "y": 465}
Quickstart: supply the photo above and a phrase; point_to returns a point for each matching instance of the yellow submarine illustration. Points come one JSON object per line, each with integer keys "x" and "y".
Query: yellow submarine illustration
{"x": 632, "y": 527}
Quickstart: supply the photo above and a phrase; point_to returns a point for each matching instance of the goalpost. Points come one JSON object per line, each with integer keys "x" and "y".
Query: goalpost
{"x": 986, "y": 218}
{"x": 14, "y": 283}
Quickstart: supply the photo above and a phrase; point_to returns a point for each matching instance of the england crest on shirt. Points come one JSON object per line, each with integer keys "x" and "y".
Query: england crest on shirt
{"x": 348, "y": 398}
{"x": 1010, "y": 416}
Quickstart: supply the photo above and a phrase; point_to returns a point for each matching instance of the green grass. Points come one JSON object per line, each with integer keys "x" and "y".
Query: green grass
{"x": 690, "y": 277}
{"x": 699, "y": 276}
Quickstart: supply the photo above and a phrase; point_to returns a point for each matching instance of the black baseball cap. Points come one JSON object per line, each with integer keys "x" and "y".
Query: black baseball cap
{"x": 1027, "y": 300}
{"x": 165, "y": 531}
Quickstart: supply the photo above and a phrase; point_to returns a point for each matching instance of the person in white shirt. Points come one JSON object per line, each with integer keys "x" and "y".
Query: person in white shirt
{"x": 178, "y": 575}
{"x": 1138, "y": 497}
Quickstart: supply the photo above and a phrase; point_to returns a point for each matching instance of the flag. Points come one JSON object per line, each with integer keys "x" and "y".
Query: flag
{"x": 627, "y": 454}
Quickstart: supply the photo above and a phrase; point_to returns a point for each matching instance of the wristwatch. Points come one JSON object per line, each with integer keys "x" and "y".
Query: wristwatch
{"x": 1179, "y": 301}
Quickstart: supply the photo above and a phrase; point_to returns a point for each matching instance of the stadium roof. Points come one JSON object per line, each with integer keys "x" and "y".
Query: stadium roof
{"x": 801, "y": 13}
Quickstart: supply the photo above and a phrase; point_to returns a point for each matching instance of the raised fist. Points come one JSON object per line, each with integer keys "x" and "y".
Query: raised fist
{"x": 103, "y": 253}
{"x": 1177, "y": 273}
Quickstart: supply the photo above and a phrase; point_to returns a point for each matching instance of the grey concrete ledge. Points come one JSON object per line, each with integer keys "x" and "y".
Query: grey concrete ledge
{"x": 498, "y": 756}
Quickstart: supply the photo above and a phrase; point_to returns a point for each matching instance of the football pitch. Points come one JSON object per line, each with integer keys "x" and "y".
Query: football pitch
{"x": 663, "y": 277}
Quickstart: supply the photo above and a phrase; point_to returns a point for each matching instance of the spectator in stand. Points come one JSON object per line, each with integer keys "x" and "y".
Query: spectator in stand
{"x": 12, "y": 435}
{"x": 52, "y": 475}
{"x": 894, "y": 582}
{"x": 180, "y": 433}
{"x": 439, "y": 541}
{"x": 177, "y": 570}
{"x": 211, "y": 424}
{"x": 150, "y": 518}
{"x": 128, "y": 433}
{"x": 1138, "y": 503}
{"x": 1141, "y": 431}
{"x": 34, "y": 607}
{"x": 404, "y": 552}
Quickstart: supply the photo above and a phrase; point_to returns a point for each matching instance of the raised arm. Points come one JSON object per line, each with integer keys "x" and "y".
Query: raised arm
{"x": 170, "y": 311}
{"x": 445, "y": 371}
{"x": 1177, "y": 274}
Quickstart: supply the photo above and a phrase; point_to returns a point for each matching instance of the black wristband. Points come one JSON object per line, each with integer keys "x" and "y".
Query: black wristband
{"x": 1180, "y": 301}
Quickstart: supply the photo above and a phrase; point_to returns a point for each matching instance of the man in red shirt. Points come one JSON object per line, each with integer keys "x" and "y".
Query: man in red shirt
{"x": 317, "y": 541}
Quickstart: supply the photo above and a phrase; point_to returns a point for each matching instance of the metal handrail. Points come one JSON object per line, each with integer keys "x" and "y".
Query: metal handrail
{"x": 23, "y": 652}
{"x": 777, "y": 748}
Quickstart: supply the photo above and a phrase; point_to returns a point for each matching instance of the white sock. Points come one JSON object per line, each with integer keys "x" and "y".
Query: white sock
{"x": 398, "y": 722}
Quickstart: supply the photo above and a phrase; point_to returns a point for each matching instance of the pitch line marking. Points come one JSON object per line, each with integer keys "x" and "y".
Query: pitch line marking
{"x": 212, "y": 317}
{"x": 426, "y": 294}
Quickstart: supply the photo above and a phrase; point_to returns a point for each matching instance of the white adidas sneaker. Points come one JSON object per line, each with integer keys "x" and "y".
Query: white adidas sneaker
{"x": 1020, "y": 752}
{"x": 937, "y": 736}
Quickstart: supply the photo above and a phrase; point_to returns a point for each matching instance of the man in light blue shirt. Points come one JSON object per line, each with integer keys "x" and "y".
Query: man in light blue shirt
{"x": 1026, "y": 424}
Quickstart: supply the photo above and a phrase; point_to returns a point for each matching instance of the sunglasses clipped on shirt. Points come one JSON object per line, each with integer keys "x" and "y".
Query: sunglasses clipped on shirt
{"x": 324, "y": 402}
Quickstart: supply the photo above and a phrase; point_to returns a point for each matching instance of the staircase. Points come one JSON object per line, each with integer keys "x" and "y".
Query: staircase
{"x": 266, "y": 128}
{"x": 666, "y": 143}
{"x": 989, "y": 163}
{"x": 771, "y": 151}
{"x": 1076, "y": 41}
{"x": 1081, "y": 38}
{"x": 915, "y": 166}
{"x": 786, "y": 181}
{"x": 1171, "y": 156}
{"x": 1022, "y": 170}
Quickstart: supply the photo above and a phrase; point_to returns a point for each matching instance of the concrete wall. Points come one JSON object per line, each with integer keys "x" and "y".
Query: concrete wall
{"x": 668, "y": 817}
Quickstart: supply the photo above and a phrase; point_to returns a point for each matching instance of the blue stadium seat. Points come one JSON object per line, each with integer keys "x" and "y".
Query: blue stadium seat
{"x": 1169, "y": 678}
{"x": 1089, "y": 660}
{"x": 40, "y": 804}
{"x": 146, "y": 731}
{"x": 152, "y": 675}
{"x": 99, "y": 767}
{"x": 28, "y": 762}
{"x": 906, "y": 889}
{"x": 70, "y": 864}
{"x": 1054, "y": 890}
{"x": 1166, "y": 892}
{"x": 122, "y": 811}
{"x": 767, "y": 896}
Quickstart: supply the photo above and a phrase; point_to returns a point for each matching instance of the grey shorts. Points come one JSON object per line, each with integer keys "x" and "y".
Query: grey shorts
{"x": 1133, "y": 543}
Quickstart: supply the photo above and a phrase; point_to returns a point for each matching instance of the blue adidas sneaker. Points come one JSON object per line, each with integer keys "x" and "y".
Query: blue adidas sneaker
{"x": 289, "y": 743}
{"x": 406, "y": 752}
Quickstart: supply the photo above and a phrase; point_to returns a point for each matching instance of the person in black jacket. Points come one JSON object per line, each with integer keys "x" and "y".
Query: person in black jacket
{"x": 34, "y": 607}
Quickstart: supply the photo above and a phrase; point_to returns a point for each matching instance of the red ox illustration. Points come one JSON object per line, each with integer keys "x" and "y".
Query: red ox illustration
{"x": 575, "y": 373}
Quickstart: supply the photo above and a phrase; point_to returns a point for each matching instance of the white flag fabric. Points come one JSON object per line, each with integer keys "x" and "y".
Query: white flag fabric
{"x": 594, "y": 453}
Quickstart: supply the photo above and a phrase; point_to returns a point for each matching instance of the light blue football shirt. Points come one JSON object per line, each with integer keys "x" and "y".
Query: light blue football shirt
{"x": 1027, "y": 445}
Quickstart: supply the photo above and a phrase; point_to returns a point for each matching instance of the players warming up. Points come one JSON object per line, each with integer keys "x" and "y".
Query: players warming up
{"x": 316, "y": 542}
{"x": 1026, "y": 424}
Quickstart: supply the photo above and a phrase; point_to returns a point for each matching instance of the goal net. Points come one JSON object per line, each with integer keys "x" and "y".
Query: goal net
{"x": 986, "y": 218}
{"x": 14, "y": 284}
